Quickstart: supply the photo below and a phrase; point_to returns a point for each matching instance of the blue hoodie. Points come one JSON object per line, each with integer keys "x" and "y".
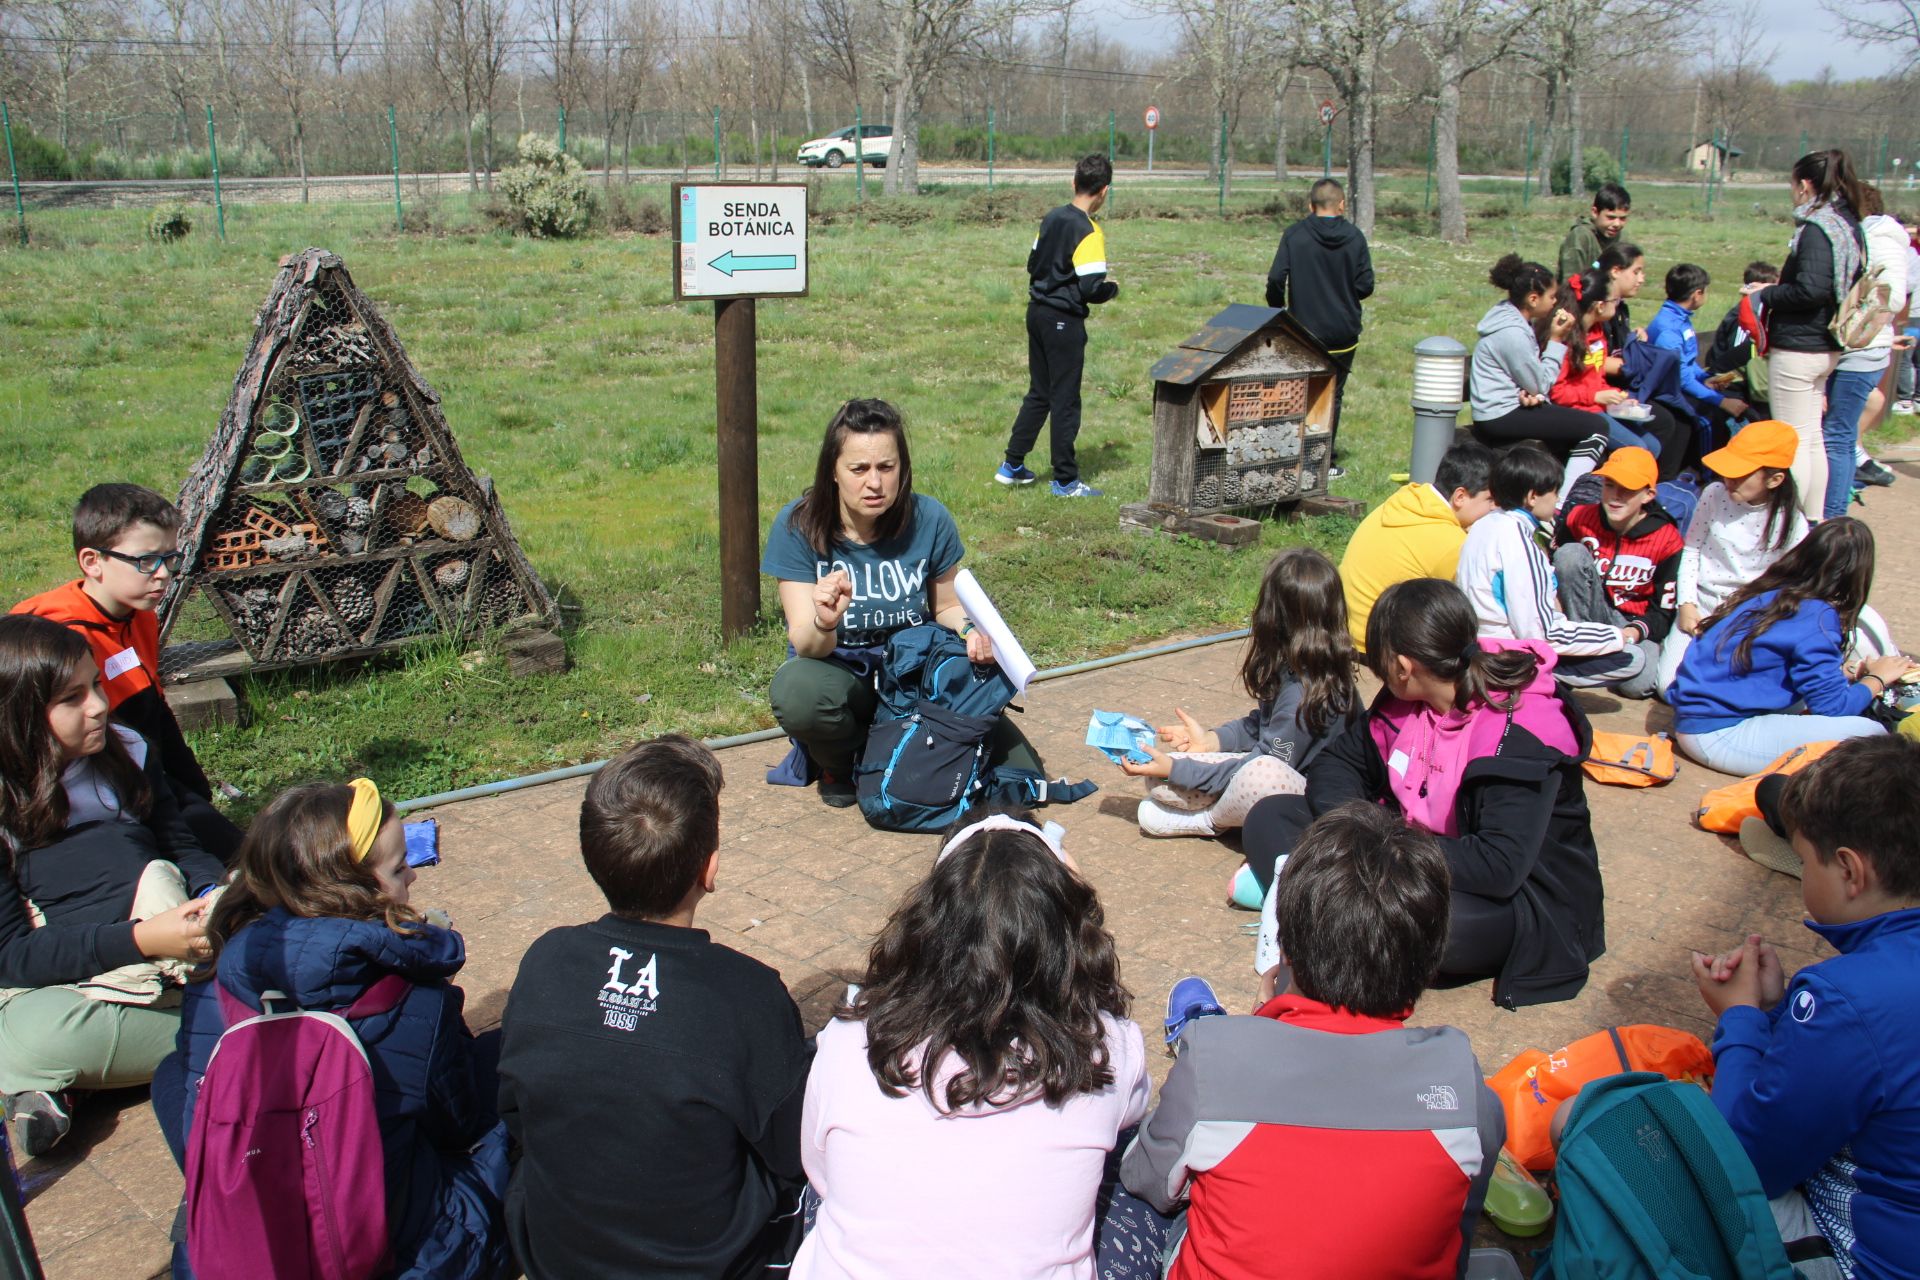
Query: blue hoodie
{"x": 1672, "y": 330}
{"x": 1797, "y": 659}
{"x": 1824, "y": 1090}
{"x": 445, "y": 1145}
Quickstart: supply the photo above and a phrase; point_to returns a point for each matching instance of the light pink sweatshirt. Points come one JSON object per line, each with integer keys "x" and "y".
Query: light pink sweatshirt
{"x": 991, "y": 1194}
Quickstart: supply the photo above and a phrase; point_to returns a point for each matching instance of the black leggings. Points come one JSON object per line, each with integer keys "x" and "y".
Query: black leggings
{"x": 1554, "y": 425}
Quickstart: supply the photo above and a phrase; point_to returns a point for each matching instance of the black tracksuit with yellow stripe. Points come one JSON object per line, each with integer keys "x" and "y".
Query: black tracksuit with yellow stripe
{"x": 1067, "y": 270}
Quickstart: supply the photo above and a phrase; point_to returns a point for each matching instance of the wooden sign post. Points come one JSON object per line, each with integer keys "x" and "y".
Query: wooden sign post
{"x": 734, "y": 242}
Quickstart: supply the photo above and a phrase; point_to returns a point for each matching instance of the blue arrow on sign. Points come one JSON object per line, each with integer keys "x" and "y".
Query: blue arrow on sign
{"x": 729, "y": 262}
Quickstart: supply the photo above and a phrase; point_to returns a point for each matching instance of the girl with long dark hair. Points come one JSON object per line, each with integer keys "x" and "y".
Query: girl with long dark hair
{"x": 1746, "y": 520}
{"x": 1515, "y": 367}
{"x": 1780, "y": 643}
{"x": 1471, "y": 741}
{"x": 318, "y": 912}
{"x": 1299, "y": 669}
{"x": 98, "y": 918}
{"x": 858, "y": 557}
{"x": 1827, "y": 254}
{"x": 965, "y": 1097}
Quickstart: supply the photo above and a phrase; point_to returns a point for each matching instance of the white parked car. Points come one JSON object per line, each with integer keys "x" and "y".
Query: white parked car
{"x": 875, "y": 146}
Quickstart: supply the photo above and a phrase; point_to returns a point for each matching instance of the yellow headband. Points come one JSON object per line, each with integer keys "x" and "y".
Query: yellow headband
{"x": 363, "y": 817}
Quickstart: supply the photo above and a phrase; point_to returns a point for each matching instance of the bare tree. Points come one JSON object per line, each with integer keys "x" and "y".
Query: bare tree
{"x": 1289, "y": 72}
{"x": 68, "y": 30}
{"x": 563, "y": 39}
{"x": 836, "y": 33}
{"x": 1737, "y": 87}
{"x": 1895, "y": 23}
{"x": 1064, "y": 11}
{"x": 170, "y": 26}
{"x": 1349, "y": 40}
{"x": 1461, "y": 37}
{"x": 1230, "y": 40}
{"x": 284, "y": 50}
{"x": 463, "y": 43}
{"x": 223, "y": 21}
{"x": 1572, "y": 41}
{"x": 340, "y": 27}
{"x": 637, "y": 25}
{"x": 926, "y": 36}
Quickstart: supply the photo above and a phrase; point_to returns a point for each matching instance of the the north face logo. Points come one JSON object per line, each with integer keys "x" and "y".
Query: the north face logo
{"x": 1440, "y": 1097}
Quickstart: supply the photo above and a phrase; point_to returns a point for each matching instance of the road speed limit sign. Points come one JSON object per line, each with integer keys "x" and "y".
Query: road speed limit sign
{"x": 1327, "y": 111}
{"x": 1153, "y": 117}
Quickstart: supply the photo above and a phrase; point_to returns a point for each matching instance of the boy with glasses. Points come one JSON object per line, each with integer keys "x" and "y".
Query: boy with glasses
{"x": 126, "y": 539}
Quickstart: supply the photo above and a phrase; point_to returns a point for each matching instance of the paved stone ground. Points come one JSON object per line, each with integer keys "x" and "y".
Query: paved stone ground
{"x": 804, "y": 888}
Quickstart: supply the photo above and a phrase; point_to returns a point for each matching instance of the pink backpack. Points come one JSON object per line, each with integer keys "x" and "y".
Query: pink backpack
{"x": 286, "y": 1176}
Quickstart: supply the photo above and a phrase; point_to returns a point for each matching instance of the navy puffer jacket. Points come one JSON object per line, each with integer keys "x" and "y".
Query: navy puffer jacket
{"x": 435, "y": 1091}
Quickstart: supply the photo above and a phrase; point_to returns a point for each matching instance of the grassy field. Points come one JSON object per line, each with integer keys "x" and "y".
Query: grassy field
{"x": 570, "y": 375}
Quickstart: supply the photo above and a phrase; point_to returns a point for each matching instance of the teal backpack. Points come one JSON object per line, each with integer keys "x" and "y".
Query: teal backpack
{"x": 1654, "y": 1186}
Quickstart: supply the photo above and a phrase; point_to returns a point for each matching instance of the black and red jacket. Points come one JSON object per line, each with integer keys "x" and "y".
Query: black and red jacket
{"x": 1641, "y": 567}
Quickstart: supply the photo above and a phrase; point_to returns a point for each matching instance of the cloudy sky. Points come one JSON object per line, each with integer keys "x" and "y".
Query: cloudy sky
{"x": 1800, "y": 28}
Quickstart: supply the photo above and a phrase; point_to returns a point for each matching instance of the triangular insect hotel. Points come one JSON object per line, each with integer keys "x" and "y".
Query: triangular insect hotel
{"x": 332, "y": 514}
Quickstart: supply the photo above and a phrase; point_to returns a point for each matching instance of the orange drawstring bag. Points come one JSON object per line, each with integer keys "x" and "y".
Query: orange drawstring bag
{"x": 1534, "y": 1084}
{"x": 1723, "y": 809}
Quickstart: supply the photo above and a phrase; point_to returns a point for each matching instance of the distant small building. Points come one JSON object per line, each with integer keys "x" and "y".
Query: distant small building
{"x": 1711, "y": 157}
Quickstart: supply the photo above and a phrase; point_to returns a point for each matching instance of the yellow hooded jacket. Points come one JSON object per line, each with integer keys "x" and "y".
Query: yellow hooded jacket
{"x": 1413, "y": 534}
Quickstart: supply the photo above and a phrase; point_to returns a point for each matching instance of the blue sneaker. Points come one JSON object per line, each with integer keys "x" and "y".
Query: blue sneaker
{"x": 1190, "y": 998}
{"x": 1008, "y": 474}
{"x": 1078, "y": 489}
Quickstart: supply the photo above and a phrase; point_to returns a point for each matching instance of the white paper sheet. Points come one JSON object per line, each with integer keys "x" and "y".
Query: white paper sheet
{"x": 1006, "y": 648}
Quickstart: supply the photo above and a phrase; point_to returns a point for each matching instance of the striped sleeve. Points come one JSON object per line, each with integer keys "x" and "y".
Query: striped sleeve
{"x": 1532, "y": 602}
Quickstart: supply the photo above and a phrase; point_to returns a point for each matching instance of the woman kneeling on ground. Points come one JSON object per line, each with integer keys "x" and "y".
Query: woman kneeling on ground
{"x": 860, "y": 556}
{"x": 1470, "y": 741}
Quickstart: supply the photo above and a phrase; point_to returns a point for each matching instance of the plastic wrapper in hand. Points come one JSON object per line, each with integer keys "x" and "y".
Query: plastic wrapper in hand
{"x": 1119, "y": 737}
{"x": 423, "y": 843}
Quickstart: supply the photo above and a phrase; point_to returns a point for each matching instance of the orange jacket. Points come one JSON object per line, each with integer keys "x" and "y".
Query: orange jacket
{"x": 127, "y": 649}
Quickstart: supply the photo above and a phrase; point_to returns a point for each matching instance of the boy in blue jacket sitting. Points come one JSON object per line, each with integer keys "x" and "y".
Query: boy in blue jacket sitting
{"x": 1820, "y": 1077}
{"x": 1672, "y": 330}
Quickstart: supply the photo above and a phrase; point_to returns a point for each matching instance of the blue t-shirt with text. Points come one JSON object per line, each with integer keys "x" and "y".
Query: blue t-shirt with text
{"x": 890, "y": 578}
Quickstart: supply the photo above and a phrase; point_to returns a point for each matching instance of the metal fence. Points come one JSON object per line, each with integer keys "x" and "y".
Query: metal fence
{"x": 390, "y": 153}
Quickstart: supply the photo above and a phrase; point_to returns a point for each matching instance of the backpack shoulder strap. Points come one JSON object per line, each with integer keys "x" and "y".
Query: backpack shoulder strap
{"x": 382, "y": 997}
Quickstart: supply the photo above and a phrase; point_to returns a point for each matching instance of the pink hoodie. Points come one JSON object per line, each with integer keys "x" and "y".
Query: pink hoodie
{"x": 1427, "y": 753}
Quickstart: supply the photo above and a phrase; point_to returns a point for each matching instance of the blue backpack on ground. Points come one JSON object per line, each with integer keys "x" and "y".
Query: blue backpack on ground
{"x": 1654, "y": 1186}
{"x": 925, "y": 765}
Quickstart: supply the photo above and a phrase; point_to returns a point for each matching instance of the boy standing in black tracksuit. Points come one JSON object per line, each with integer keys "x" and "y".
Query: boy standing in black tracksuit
{"x": 1068, "y": 270}
{"x": 1321, "y": 274}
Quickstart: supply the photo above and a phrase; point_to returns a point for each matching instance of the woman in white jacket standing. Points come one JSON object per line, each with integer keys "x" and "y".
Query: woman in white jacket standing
{"x": 1860, "y": 371}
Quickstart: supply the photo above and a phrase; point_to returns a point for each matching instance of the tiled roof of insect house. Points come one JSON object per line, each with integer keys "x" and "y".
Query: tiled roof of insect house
{"x": 1242, "y": 415}
{"x": 332, "y": 515}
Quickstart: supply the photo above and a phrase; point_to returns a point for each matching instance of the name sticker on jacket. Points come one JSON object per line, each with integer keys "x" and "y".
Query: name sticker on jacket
{"x": 1398, "y": 762}
{"x": 119, "y": 664}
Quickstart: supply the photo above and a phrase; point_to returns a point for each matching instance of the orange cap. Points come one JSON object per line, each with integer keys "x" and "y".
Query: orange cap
{"x": 1758, "y": 444}
{"x": 1630, "y": 468}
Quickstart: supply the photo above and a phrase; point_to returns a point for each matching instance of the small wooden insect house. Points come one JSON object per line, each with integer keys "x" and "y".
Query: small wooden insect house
{"x": 1243, "y": 420}
{"x": 332, "y": 515}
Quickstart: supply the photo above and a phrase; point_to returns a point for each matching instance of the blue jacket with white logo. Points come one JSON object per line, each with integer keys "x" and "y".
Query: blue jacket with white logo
{"x": 1824, "y": 1091}
{"x": 1672, "y": 330}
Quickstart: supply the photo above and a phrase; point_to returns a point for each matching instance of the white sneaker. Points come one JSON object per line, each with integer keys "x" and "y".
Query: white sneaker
{"x": 1905, "y": 408}
{"x": 1155, "y": 820}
